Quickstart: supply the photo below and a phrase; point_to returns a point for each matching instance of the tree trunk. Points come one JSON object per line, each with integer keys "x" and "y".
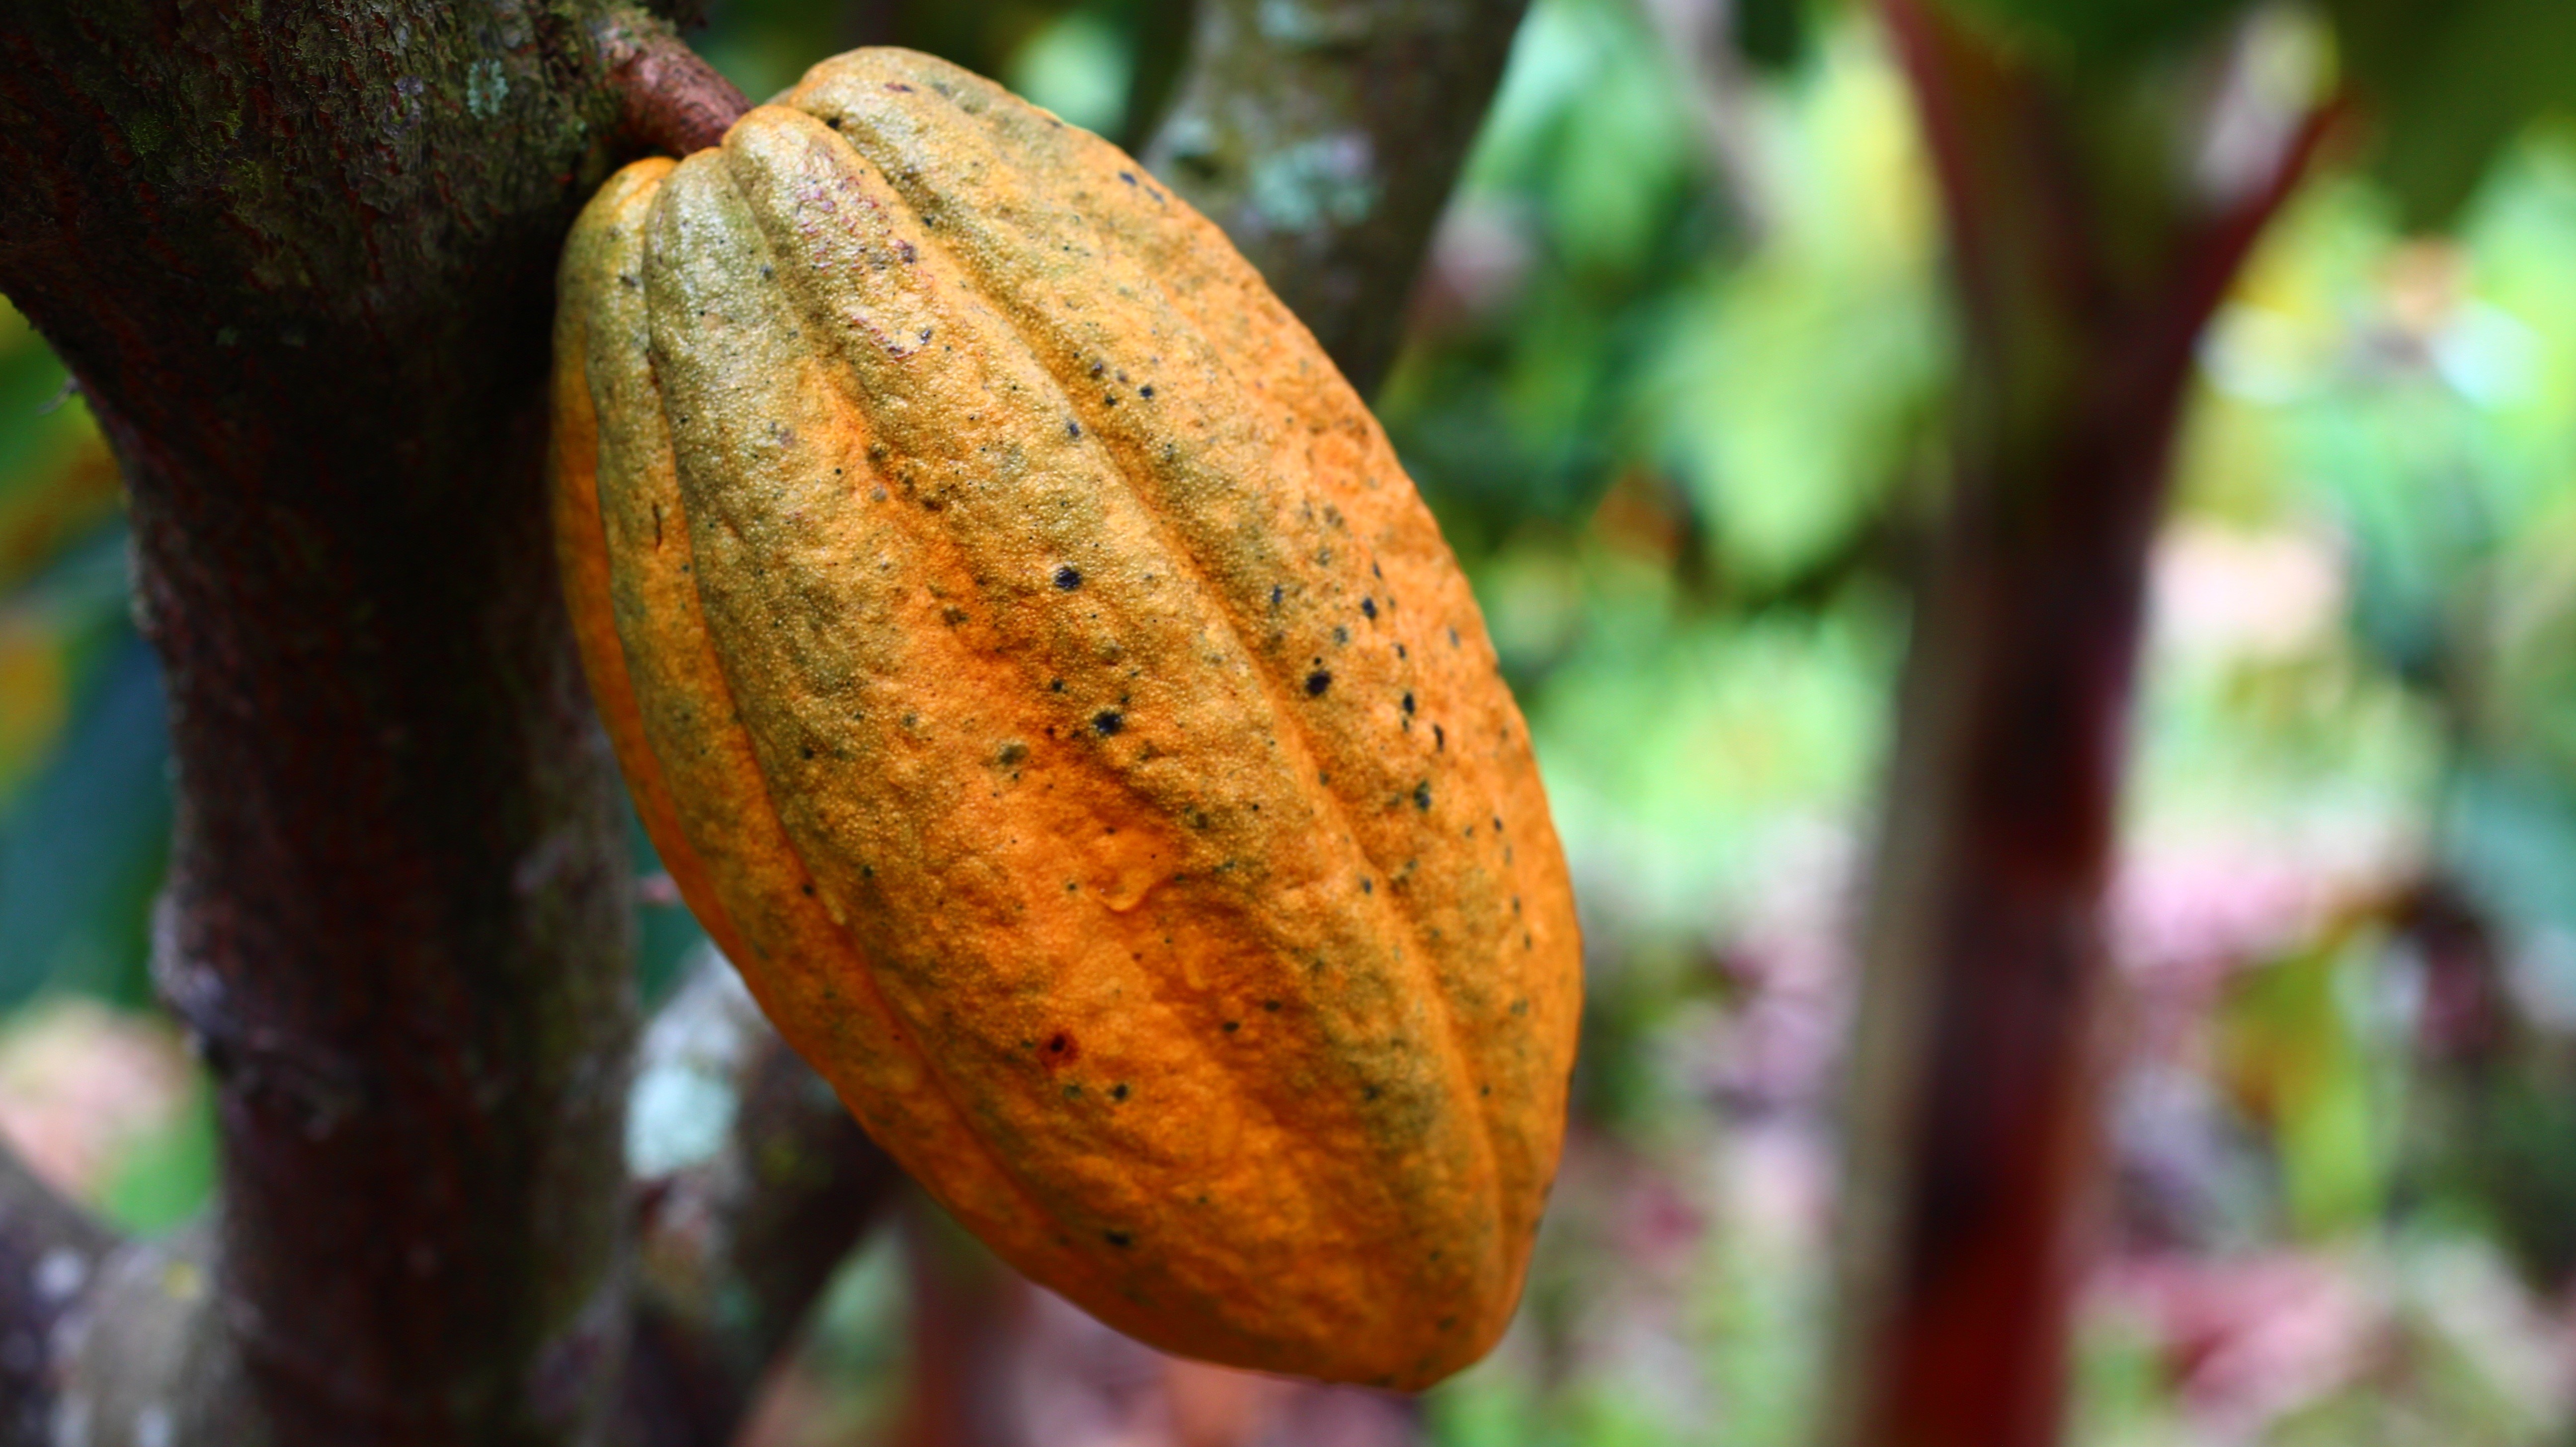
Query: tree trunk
{"x": 301, "y": 257}
{"x": 2084, "y": 277}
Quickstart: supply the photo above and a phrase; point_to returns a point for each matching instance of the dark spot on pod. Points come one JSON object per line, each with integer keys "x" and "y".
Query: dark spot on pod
{"x": 1119, "y": 1091}
{"x": 1068, "y": 577}
{"x": 1055, "y": 685}
{"x": 1012, "y": 753}
{"x": 1439, "y": 737}
{"x": 1368, "y": 607}
{"x": 1368, "y": 1092}
{"x": 1498, "y": 823}
{"x": 897, "y": 85}
{"x": 1276, "y": 593}
{"x": 807, "y": 889}
{"x": 1408, "y": 703}
{"x": 1448, "y": 1322}
{"x": 1317, "y": 682}
{"x": 1108, "y": 721}
{"x": 1073, "y": 1092}
{"x": 1270, "y": 1005}
{"x": 1341, "y": 634}
{"x": 1099, "y": 367}
{"x": 807, "y": 750}
{"x": 1072, "y": 428}
{"x": 834, "y": 123}
{"x": 1146, "y": 391}
{"x": 1483, "y": 1090}
{"x": 1127, "y": 176}
{"x": 1233, "y": 1025}
{"x": 1516, "y": 904}
{"x": 1422, "y": 795}
{"x": 1118, "y": 1238}
{"x": 1060, "y": 1049}
{"x": 1368, "y": 886}
{"x": 1520, "y": 1007}
{"x": 1453, "y": 637}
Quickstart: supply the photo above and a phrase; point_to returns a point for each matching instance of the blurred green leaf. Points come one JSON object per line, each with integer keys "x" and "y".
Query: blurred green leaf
{"x": 2095, "y": 33}
{"x": 1773, "y": 34}
{"x": 2450, "y": 83}
{"x": 167, "y": 1177}
{"x": 1078, "y": 66}
{"x": 2294, "y": 1048}
{"x": 82, "y": 847}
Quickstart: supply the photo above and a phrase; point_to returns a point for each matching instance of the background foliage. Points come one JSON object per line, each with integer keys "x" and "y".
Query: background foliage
{"x": 1674, "y": 385}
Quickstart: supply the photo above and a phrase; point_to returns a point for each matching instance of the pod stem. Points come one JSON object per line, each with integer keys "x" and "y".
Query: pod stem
{"x": 670, "y": 101}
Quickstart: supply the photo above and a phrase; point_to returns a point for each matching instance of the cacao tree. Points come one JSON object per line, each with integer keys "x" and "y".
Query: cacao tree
{"x": 301, "y": 261}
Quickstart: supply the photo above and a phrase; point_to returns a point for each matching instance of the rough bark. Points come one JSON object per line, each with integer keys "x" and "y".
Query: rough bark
{"x": 2084, "y": 284}
{"x": 300, "y": 258}
{"x": 1324, "y": 136}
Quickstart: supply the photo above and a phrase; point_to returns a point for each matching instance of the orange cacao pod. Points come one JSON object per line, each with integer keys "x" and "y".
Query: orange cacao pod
{"x": 1045, "y": 685}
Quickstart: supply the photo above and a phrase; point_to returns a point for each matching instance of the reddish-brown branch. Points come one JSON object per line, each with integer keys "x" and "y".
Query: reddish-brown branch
{"x": 1974, "y": 1127}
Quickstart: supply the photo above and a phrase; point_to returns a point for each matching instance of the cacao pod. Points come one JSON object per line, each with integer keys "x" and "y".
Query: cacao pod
{"x": 1042, "y": 680}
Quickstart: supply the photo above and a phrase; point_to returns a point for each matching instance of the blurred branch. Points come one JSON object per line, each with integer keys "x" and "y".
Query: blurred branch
{"x": 1324, "y": 136}
{"x": 738, "y": 1233}
{"x": 2085, "y": 280}
{"x": 50, "y": 1255}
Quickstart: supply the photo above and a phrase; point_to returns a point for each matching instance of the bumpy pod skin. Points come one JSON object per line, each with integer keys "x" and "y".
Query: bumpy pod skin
{"x": 1042, "y": 680}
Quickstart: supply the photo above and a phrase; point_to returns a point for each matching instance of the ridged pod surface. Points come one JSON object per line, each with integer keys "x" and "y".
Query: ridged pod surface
{"x": 1041, "y": 679}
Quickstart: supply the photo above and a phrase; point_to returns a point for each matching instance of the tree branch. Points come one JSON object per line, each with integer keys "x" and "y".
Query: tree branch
{"x": 50, "y": 1255}
{"x": 756, "y": 1184}
{"x": 1974, "y": 1125}
{"x": 670, "y": 101}
{"x": 1324, "y": 136}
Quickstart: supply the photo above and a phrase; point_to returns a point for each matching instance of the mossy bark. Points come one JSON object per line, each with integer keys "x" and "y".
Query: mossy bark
{"x": 1324, "y": 136}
